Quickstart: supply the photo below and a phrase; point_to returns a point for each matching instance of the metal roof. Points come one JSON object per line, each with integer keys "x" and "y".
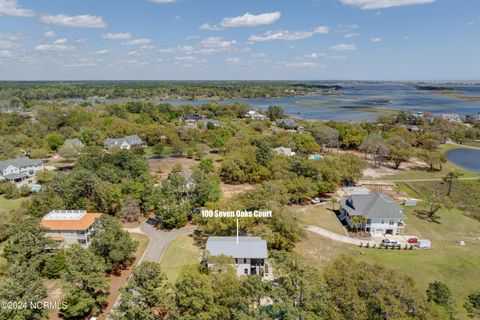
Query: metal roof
{"x": 371, "y": 206}
{"x": 247, "y": 247}
{"x": 131, "y": 140}
{"x": 19, "y": 162}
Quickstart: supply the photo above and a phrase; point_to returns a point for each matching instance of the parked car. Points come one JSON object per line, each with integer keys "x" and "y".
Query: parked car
{"x": 155, "y": 221}
{"x": 424, "y": 244}
{"x": 412, "y": 240}
{"x": 390, "y": 243}
{"x": 316, "y": 200}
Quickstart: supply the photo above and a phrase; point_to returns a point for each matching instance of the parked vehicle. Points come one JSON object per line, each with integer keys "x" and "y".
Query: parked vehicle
{"x": 412, "y": 240}
{"x": 316, "y": 200}
{"x": 424, "y": 244}
{"x": 390, "y": 243}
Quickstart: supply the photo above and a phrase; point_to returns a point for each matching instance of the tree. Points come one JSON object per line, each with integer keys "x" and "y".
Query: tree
{"x": 400, "y": 151}
{"x": 263, "y": 152}
{"x": 433, "y": 158}
{"x": 54, "y": 140}
{"x": 473, "y": 305}
{"x": 86, "y": 284}
{"x": 195, "y": 297}
{"x": 56, "y": 265}
{"x": 326, "y": 136}
{"x": 148, "y": 295}
{"x": 434, "y": 204}
{"x": 22, "y": 286}
{"x": 356, "y": 296}
{"x": 131, "y": 210}
{"x": 110, "y": 241}
{"x": 305, "y": 143}
{"x": 275, "y": 113}
{"x": 206, "y": 165}
{"x": 440, "y": 294}
{"x": 358, "y": 221}
{"x": 69, "y": 152}
{"x": 158, "y": 149}
{"x": 450, "y": 178}
{"x": 27, "y": 244}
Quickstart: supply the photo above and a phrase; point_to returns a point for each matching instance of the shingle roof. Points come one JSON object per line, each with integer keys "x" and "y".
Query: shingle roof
{"x": 247, "y": 247}
{"x": 20, "y": 162}
{"x": 131, "y": 140}
{"x": 74, "y": 141}
{"x": 375, "y": 205}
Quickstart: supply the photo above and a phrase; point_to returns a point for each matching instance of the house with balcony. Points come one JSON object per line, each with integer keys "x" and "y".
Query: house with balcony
{"x": 250, "y": 254}
{"x": 375, "y": 212}
{"x": 255, "y": 115}
{"x": 19, "y": 169}
{"x": 69, "y": 227}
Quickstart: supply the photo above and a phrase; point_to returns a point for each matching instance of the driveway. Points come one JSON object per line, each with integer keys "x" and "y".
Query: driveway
{"x": 159, "y": 240}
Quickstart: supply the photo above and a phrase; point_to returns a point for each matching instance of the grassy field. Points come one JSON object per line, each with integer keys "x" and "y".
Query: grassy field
{"x": 180, "y": 252}
{"x": 9, "y": 204}
{"x": 447, "y": 261}
{"x": 320, "y": 215}
{"x": 425, "y": 174}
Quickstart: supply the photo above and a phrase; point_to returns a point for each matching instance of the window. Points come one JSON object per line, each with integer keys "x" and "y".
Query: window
{"x": 392, "y": 222}
{"x": 245, "y": 271}
{"x": 82, "y": 241}
{"x": 244, "y": 260}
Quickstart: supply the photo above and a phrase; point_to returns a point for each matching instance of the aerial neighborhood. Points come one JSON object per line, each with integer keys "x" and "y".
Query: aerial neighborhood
{"x": 134, "y": 197}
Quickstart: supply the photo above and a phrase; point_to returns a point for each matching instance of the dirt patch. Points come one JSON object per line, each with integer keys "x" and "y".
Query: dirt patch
{"x": 160, "y": 168}
{"x": 230, "y": 190}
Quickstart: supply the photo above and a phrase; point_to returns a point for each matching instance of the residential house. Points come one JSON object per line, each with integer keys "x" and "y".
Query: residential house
{"x": 381, "y": 215}
{"x": 205, "y": 122}
{"x": 283, "y": 151}
{"x": 410, "y": 127}
{"x": 128, "y": 142}
{"x": 250, "y": 254}
{"x": 451, "y": 117}
{"x": 255, "y": 115}
{"x": 288, "y": 124}
{"x": 19, "y": 169}
{"x": 68, "y": 227}
{"x": 191, "y": 118}
{"x": 74, "y": 143}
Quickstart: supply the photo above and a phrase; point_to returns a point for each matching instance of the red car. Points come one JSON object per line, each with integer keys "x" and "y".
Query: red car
{"x": 412, "y": 240}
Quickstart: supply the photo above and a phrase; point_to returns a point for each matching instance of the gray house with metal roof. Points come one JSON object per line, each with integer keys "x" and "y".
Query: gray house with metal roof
{"x": 381, "y": 215}
{"x": 128, "y": 142}
{"x": 74, "y": 143}
{"x": 250, "y": 254}
{"x": 17, "y": 170}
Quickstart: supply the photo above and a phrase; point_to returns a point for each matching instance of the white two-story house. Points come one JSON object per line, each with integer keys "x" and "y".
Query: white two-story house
{"x": 380, "y": 214}
{"x": 69, "y": 227}
{"x": 17, "y": 170}
{"x": 250, "y": 254}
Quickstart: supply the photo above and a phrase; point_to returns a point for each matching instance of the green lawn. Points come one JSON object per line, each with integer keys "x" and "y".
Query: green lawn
{"x": 320, "y": 215}
{"x": 425, "y": 174}
{"x": 447, "y": 261}
{"x": 9, "y": 204}
{"x": 181, "y": 252}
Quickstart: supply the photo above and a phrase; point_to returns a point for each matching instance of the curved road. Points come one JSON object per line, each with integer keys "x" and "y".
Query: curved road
{"x": 159, "y": 240}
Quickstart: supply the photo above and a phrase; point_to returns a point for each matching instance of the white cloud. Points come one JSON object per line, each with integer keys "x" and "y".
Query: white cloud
{"x": 288, "y": 35}
{"x": 103, "y": 51}
{"x": 11, "y": 8}
{"x": 376, "y": 39}
{"x": 251, "y": 20}
{"x": 350, "y": 35}
{"x": 315, "y": 55}
{"x": 162, "y": 1}
{"x": 137, "y": 42}
{"x": 300, "y": 65}
{"x": 49, "y": 34}
{"x": 54, "y": 47}
{"x": 217, "y": 42}
{"x": 246, "y": 20}
{"x": 338, "y": 57}
{"x": 344, "y": 47}
{"x": 185, "y": 58}
{"x": 210, "y": 27}
{"x": 382, "y": 4}
{"x": 61, "y": 41}
{"x": 81, "y": 21}
{"x": 117, "y": 36}
{"x": 233, "y": 61}
{"x": 5, "y": 54}
{"x": 7, "y": 44}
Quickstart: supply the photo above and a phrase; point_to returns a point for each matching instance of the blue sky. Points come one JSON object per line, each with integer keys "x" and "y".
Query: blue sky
{"x": 248, "y": 39}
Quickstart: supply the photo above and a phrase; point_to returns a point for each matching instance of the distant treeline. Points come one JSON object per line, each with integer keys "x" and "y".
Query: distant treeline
{"x": 44, "y": 90}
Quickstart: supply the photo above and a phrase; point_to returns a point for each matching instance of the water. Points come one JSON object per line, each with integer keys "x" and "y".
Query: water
{"x": 468, "y": 159}
{"x": 358, "y": 101}
{"x": 352, "y": 101}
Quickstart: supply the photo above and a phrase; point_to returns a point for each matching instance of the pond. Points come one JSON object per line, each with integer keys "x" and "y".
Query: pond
{"x": 468, "y": 159}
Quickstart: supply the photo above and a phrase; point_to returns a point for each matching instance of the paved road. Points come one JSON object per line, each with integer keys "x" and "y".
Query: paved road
{"x": 411, "y": 180}
{"x": 338, "y": 237}
{"x": 159, "y": 240}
